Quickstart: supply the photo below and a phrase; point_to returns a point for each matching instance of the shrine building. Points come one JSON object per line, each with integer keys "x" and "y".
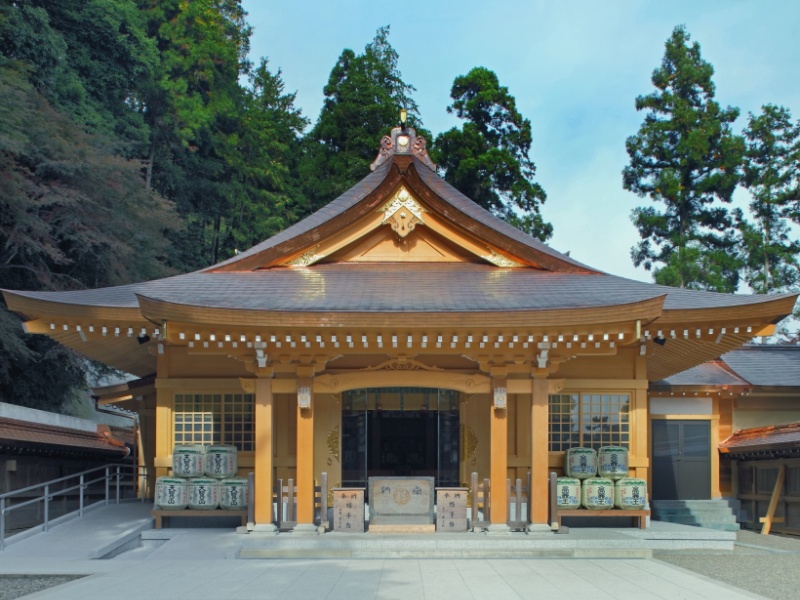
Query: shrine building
{"x": 402, "y": 330}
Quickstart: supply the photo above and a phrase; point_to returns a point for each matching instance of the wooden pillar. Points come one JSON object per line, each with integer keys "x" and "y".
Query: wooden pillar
{"x": 540, "y": 448}
{"x": 164, "y": 434}
{"x": 640, "y": 423}
{"x": 264, "y": 452}
{"x": 305, "y": 455}
{"x": 498, "y": 471}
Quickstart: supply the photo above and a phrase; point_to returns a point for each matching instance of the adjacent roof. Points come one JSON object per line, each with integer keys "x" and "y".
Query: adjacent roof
{"x": 25, "y": 437}
{"x": 765, "y": 366}
{"x": 766, "y": 442}
{"x": 713, "y": 373}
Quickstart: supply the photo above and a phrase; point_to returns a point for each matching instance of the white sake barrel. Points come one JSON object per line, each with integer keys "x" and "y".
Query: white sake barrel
{"x": 581, "y": 463}
{"x": 188, "y": 461}
{"x": 233, "y": 494}
{"x": 612, "y": 462}
{"x": 630, "y": 493}
{"x": 568, "y": 492}
{"x": 171, "y": 493}
{"x": 598, "y": 493}
{"x": 221, "y": 461}
{"x": 203, "y": 493}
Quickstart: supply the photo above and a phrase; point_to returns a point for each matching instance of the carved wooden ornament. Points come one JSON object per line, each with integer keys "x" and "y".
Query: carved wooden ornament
{"x": 402, "y": 212}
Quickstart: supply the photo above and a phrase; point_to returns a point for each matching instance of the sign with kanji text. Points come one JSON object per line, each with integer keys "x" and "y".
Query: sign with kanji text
{"x": 348, "y": 510}
{"x": 451, "y": 510}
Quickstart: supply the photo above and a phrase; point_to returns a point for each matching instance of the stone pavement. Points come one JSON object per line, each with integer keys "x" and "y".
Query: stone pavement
{"x": 201, "y": 564}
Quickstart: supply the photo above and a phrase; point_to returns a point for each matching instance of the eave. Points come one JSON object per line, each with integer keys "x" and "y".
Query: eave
{"x": 646, "y": 310}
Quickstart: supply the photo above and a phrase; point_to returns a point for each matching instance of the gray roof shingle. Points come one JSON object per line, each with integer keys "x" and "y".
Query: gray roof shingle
{"x": 408, "y": 287}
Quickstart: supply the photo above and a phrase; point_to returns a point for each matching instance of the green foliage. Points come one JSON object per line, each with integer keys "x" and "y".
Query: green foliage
{"x": 268, "y": 198}
{"x": 72, "y": 215}
{"x": 488, "y": 158}
{"x": 772, "y": 177}
{"x": 87, "y": 58}
{"x": 363, "y": 98}
{"x": 686, "y": 157}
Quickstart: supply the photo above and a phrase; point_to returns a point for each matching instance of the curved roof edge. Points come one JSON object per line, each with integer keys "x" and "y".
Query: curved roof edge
{"x": 415, "y": 173}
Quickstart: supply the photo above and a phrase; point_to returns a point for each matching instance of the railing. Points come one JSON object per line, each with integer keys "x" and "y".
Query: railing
{"x": 42, "y": 494}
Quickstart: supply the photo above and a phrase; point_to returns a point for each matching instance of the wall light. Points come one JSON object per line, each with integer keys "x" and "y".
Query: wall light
{"x": 500, "y": 397}
{"x": 304, "y": 396}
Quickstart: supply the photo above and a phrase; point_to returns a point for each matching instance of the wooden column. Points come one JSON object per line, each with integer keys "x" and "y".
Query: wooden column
{"x": 264, "y": 452}
{"x": 305, "y": 457}
{"x": 498, "y": 471}
{"x": 164, "y": 435}
{"x": 540, "y": 404}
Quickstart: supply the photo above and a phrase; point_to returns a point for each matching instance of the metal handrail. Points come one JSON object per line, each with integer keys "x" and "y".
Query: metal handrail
{"x": 47, "y": 495}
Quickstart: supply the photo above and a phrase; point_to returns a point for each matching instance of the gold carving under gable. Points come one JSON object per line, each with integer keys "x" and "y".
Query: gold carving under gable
{"x": 306, "y": 259}
{"x": 402, "y": 364}
{"x": 402, "y": 212}
{"x": 333, "y": 443}
{"x": 501, "y": 261}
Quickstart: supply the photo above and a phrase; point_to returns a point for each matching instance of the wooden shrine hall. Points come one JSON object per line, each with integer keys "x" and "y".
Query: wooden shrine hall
{"x": 401, "y": 330}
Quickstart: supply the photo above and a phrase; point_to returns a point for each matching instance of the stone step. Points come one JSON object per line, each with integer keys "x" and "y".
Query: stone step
{"x": 700, "y": 520}
{"x": 706, "y": 525}
{"x": 675, "y": 513}
{"x": 711, "y": 514}
{"x": 691, "y": 503}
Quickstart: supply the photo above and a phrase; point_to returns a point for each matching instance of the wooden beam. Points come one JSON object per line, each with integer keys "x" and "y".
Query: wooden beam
{"x": 769, "y": 519}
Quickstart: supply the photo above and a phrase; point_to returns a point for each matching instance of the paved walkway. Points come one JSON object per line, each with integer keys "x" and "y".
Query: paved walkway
{"x": 200, "y": 564}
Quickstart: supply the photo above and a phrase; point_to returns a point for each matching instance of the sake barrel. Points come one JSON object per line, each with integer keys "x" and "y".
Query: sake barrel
{"x": 171, "y": 493}
{"x": 612, "y": 462}
{"x": 233, "y": 494}
{"x": 630, "y": 493}
{"x": 188, "y": 461}
{"x": 568, "y": 492}
{"x": 581, "y": 463}
{"x": 203, "y": 493}
{"x": 221, "y": 461}
{"x": 598, "y": 493}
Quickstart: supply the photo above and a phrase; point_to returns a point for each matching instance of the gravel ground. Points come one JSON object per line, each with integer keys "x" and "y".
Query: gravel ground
{"x": 768, "y": 565}
{"x": 17, "y": 586}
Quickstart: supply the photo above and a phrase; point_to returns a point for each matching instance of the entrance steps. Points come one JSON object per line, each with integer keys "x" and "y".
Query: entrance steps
{"x": 579, "y": 542}
{"x": 717, "y": 514}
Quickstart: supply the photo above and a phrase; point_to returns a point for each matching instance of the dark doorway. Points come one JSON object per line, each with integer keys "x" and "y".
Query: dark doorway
{"x": 681, "y": 460}
{"x": 400, "y": 432}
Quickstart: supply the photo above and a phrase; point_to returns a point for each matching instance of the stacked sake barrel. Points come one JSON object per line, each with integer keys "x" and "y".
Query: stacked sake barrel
{"x": 630, "y": 493}
{"x": 203, "y": 478}
{"x": 598, "y": 481}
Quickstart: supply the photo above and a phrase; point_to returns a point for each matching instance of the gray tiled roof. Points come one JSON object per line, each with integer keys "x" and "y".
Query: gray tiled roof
{"x": 767, "y": 365}
{"x": 710, "y": 373}
{"x": 409, "y": 287}
{"x": 755, "y": 364}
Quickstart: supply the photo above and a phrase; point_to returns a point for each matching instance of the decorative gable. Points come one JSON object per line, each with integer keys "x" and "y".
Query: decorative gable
{"x": 402, "y": 229}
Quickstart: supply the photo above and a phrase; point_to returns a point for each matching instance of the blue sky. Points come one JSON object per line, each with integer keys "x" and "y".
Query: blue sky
{"x": 575, "y": 68}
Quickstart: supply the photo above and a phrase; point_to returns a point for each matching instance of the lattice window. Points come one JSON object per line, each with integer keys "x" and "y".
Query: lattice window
{"x": 589, "y": 420}
{"x": 214, "y": 419}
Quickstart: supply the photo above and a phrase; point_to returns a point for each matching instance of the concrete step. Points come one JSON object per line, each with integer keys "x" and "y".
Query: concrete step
{"x": 706, "y": 515}
{"x": 691, "y": 503}
{"x": 711, "y": 514}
